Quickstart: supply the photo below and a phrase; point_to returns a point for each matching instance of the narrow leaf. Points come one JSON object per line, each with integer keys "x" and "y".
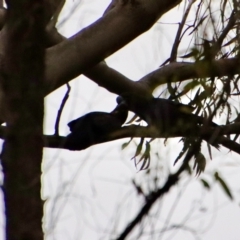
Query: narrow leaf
{"x": 139, "y": 148}
{"x": 223, "y": 185}
{"x": 199, "y": 163}
{"x": 205, "y": 184}
{"x": 124, "y": 145}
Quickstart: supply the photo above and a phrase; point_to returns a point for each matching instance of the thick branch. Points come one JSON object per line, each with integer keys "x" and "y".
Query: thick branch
{"x": 3, "y": 14}
{"x": 117, "y": 83}
{"x": 102, "y": 74}
{"x": 51, "y": 6}
{"x": 138, "y": 132}
{"x": 177, "y": 72}
{"x": 114, "y": 81}
{"x": 98, "y": 41}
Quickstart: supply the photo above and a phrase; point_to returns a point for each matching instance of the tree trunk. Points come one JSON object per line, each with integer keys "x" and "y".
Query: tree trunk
{"x": 22, "y": 48}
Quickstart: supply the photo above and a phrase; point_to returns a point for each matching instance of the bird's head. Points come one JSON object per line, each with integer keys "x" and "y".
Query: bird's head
{"x": 121, "y": 111}
{"x": 133, "y": 100}
{"x": 139, "y": 104}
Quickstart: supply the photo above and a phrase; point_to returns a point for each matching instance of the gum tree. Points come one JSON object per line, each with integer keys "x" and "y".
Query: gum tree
{"x": 36, "y": 60}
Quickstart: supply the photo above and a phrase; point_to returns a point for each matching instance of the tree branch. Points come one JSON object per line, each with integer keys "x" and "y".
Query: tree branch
{"x": 178, "y": 37}
{"x": 212, "y": 135}
{"x": 151, "y": 199}
{"x": 115, "y": 82}
{"x": 177, "y": 72}
{"x": 98, "y": 41}
{"x": 51, "y": 7}
{"x": 60, "y": 110}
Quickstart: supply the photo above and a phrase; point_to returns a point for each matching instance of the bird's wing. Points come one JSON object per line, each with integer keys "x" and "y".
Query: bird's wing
{"x": 85, "y": 120}
{"x": 184, "y": 108}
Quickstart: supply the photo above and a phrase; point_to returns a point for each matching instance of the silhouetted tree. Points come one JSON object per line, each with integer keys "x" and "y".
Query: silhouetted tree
{"x": 36, "y": 60}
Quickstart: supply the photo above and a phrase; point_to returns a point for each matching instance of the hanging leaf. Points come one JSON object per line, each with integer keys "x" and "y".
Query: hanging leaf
{"x": 209, "y": 150}
{"x": 184, "y": 149}
{"x": 124, "y": 145}
{"x": 199, "y": 163}
{"x": 139, "y": 148}
{"x": 223, "y": 185}
{"x": 145, "y": 159}
{"x": 179, "y": 156}
{"x": 205, "y": 184}
{"x": 194, "y": 53}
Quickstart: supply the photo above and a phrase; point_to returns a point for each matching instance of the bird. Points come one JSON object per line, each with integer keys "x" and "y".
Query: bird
{"x": 167, "y": 116}
{"x": 94, "y": 126}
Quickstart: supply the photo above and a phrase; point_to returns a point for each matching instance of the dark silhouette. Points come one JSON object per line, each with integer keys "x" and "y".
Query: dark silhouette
{"x": 167, "y": 116}
{"x": 94, "y": 127}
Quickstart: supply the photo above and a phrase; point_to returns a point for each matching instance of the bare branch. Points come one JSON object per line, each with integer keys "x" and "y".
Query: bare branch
{"x": 90, "y": 46}
{"x": 147, "y": 132}
{"x": 114, "y": 81}
{"x": 118, "y": 83}
{"x": 177, "y": 40}
{"x": 61, "y": 109}
{"x": 152, "y": 198}
{"x": 209, "y": 135}
{"x": 177, "y": 72}
{"x": 217, "y": 45}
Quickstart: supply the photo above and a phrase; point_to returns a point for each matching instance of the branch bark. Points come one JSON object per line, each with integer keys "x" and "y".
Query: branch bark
{"x": 180, "y": 71}
{"x": 148, "y": 132}
{"x": 117, "y": 83}
{"x": 99, "y": 40}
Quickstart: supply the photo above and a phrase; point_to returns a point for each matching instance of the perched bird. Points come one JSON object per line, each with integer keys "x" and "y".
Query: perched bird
{"x": 167, "y": 116}
{"x": 92, "y": 127}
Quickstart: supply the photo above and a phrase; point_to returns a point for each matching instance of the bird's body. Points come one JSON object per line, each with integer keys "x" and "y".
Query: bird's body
{"x": 167, "y": 116}
{"x": 93, "y": 127}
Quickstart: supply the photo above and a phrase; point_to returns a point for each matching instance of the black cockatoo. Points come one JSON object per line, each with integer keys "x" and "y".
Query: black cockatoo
{"x": 92, "y": 127}
{"x": 167, "y": 116}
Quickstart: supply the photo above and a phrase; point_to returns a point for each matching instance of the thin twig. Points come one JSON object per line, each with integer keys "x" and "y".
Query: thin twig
{"x": 152, "y": 198}
{"x": 231, "y": 22}
{"x": 56, "y": 133}
{"x": 177, "y": 40}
